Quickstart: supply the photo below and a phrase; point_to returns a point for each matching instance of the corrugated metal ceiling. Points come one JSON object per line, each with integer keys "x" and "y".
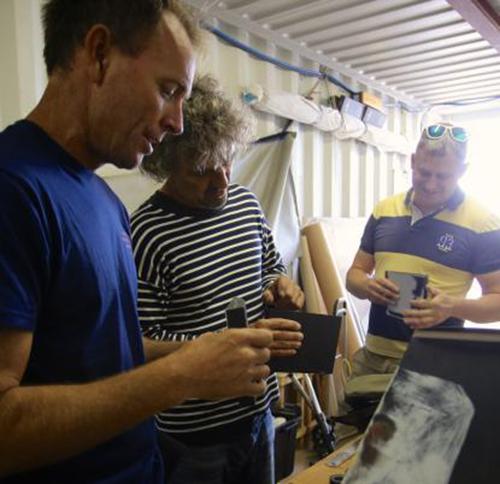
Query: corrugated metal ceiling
{"x": 422, "y": 52}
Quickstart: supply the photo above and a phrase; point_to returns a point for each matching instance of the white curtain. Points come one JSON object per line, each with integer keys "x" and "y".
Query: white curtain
{"x": 266, "y": 170}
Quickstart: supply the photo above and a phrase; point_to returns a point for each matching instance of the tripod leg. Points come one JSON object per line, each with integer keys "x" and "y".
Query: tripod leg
{"x": 325, "y": 428}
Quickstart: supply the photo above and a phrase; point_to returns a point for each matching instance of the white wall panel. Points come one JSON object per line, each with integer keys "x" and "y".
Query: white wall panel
{"x": 22, "y": 74}
{"x": 9, "y": 92}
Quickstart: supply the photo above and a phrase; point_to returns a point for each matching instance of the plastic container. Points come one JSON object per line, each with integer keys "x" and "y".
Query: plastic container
{"x": 284, "y": 440}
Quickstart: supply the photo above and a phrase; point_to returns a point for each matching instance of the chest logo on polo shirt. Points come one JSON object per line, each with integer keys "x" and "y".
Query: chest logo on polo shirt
{"x": 445, "y": 243}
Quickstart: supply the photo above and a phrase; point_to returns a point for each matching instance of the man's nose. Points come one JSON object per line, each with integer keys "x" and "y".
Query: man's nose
{"x": 432, "y": 184}
{"x": 221, "y": 178}
{"x": 172, "y": 120}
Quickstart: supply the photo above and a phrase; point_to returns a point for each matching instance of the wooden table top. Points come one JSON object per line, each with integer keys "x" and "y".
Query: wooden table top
{"x": 320, "y": 472}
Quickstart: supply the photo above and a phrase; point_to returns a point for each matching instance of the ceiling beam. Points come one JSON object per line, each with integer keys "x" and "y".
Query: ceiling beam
{"x": 468, "y": 94}
{"x": 277, "y": 39}
{"x": 482, "y": 16}
{"x": 430, "y": 48}
{"x": 457, "y": 91}
{"x": 451, "y": 69}
{"x": 412, "y": 82}
{"x": 451, "y": 83}
{"x": 424, "y": 62}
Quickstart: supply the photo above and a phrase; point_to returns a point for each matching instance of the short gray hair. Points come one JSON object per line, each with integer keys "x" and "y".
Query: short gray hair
{"x": 443, "y": 146}
{"x": 215, "y": 129}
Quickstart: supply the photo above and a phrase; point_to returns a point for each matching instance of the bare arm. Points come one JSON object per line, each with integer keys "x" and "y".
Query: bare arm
{"x": 156, "y": 349}
{"x": 360, "y": 283}
{"x": 71, "y": 418}
{"x": 486, "y": 308}
{"x": 74, "y": 418}
{"x": 359, "y": 274}
{"x": 440, "y": 306}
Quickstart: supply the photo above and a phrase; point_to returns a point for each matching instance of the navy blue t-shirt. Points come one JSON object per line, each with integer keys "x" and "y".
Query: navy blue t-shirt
{"x": 68, "y": 276}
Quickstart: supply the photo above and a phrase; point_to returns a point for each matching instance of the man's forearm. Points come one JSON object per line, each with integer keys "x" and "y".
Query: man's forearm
{"x": 72, "y": 418}
{"x": 156, "y": 349}
{"x": 356, "y": 282}
{"x": 485, "y": 309}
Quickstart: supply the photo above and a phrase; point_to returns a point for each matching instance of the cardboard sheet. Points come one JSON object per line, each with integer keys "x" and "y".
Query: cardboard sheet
{"x": 310, "y": 285}
{"x": 329, "y": 280}
{"x": 330, "y": 387}
{"x": 317, "y": 353}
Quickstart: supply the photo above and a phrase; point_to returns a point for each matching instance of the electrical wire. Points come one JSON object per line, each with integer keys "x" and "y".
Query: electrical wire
{"x": 277, "y": 62}
{"x": 323, "y": 74}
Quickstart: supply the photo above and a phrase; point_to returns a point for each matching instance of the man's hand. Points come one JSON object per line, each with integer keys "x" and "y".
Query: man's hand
{"x": 381, "y": 291}
{"x": 431, "y": 311}
{"x": 222, "y": 365}
{"x": 287, "y": 338}
{"x": 284, "y": 294}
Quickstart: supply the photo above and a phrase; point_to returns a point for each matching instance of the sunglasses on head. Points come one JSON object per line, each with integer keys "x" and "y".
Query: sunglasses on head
{"x": 436, "y": 131}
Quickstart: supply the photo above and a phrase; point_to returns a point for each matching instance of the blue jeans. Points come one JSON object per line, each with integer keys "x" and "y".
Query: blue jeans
{"x": 248, "y": 459}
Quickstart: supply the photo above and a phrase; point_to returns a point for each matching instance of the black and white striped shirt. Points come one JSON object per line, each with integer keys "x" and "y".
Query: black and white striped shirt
{"x": 191, "y": 263}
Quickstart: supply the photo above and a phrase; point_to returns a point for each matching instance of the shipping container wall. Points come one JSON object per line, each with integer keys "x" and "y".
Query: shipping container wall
{"x": 333, "y": 178}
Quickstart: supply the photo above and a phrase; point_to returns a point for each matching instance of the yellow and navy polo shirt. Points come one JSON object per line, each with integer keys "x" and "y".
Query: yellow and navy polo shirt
{"x": 451, "y": 246}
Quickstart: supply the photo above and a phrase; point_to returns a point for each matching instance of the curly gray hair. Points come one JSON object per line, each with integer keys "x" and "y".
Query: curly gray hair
{"x": 215, "y": 129}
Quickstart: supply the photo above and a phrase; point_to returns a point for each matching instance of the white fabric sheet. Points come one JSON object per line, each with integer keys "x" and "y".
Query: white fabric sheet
{"x": 266, "y": 170}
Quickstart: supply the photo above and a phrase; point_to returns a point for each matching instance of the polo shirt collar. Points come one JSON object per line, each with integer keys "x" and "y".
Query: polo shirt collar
{"x": 452, "y": 203}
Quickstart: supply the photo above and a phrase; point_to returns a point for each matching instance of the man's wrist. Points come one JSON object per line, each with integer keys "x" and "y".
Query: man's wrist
{"x": 455, "y": 306}
{"x": 154, "y": 349}
{"x": 272, "y": 282}
{"x": 175, "y": 375}
{"x": 364, "y": 287}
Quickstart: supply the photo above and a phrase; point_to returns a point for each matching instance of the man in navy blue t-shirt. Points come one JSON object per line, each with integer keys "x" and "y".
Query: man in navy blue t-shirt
{"x": 77, "y": 383}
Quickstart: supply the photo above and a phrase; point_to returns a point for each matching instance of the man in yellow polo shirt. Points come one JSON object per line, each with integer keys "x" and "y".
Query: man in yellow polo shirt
{"x": 433, "y": 229}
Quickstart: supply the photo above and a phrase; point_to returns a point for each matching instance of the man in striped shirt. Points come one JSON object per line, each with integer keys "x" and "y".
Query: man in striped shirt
{"x": 198, "y": 243}
{"x": 433, "y": 229}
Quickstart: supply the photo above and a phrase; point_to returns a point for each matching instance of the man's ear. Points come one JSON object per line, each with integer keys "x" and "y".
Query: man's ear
{"x": 97, "y": 47}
